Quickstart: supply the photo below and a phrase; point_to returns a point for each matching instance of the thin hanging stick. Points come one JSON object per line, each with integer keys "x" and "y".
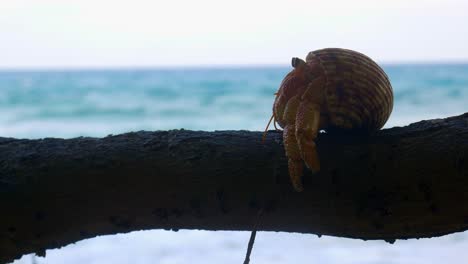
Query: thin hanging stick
{"x": 252, "y": 238}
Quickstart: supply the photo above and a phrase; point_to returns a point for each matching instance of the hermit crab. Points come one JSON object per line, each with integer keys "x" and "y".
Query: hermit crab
{"x": 333, "y": 89}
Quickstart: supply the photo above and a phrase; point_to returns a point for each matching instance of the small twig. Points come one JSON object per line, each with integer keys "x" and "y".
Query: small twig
{"x": 249, "y": 249}
{"x": 252, "y": 237}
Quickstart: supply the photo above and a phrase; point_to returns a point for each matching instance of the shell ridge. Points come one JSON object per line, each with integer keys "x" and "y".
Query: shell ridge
{"x": 325, "y": 86}
{"x": 365, "y": 78}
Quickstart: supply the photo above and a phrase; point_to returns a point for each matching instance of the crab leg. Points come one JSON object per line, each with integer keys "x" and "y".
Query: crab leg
{"x": 295, "y": 163}
{"x": 308, "y": 122}
{"x": 307, "y": 125}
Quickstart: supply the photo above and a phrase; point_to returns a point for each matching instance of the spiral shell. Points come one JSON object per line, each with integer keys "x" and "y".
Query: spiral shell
{"x": 358, "y": 92}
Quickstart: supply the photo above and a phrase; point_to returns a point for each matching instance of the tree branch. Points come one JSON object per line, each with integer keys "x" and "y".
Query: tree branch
{"x": 399, "y": 183}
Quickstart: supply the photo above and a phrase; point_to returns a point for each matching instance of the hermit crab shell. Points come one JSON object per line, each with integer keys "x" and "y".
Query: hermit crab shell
{"x": 358, "y": 92}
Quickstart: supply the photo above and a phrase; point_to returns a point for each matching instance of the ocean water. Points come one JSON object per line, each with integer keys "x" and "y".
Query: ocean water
{"x": 99, "y": 102}
{"x": 72, "y": 103}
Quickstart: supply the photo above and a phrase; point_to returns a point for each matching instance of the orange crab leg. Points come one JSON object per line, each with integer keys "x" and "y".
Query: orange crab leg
{"x": 307, "y": 127}
{"x": 308, "y": 123}
{"x": 295, "y": 163}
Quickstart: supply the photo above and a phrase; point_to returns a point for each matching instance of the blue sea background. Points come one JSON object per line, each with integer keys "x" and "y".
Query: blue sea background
{"x": 71, "y": 103}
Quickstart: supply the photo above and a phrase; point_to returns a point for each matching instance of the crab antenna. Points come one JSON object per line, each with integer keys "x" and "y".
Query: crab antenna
{"x": 266, "y": 129}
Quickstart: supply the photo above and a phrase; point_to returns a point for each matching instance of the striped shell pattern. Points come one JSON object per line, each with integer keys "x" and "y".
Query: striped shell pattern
{"x": 358, "y": 92}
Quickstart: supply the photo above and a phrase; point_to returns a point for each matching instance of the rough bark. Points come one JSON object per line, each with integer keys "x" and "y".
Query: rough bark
{"x": 404, "y": 182}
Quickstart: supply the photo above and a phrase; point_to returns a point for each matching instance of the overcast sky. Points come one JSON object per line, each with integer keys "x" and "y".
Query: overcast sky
{"x": 60, "y": 33}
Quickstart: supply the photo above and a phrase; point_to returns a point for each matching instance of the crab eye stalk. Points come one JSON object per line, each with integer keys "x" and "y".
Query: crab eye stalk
{"x": 296, "y": 62}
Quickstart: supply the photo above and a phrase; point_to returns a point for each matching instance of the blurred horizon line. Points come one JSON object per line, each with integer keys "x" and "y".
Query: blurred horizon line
{"x": 204, "y": 66}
